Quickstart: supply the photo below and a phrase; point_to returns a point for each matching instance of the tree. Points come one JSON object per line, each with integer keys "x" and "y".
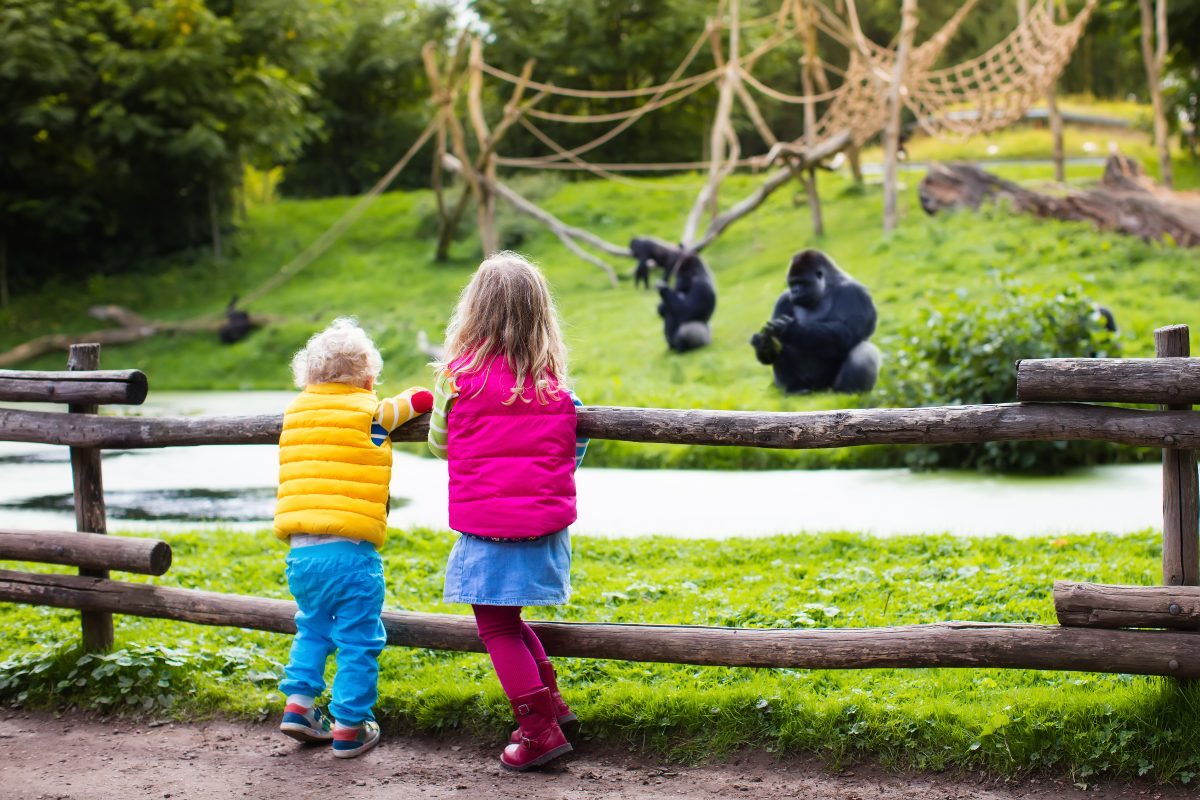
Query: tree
{"x": 1154, "y": 54}
{"x": 373, "y": 98}
{"x": 125, "y": 123}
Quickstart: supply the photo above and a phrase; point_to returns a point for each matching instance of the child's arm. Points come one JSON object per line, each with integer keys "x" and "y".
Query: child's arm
{"x": 581, "y": 442}
{"x": 444, "y": 393}
{"x": 395, "y": 411}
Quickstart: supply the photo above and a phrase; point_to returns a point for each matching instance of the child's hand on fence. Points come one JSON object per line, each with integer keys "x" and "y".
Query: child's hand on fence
{"x": 421, "y": 400}
{"x": 404, "y": 407}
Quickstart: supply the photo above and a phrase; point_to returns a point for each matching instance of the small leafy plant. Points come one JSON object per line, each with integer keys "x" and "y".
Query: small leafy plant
{"x": 964, "y": 351}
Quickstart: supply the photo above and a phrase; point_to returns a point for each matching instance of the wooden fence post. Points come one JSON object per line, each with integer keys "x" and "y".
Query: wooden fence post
{"x": 1181, "y": 495}
{"x": 89, "y": 500}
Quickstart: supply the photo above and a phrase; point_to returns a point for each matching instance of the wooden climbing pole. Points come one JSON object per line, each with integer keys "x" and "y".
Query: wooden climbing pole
{"x": 891, "y": 134}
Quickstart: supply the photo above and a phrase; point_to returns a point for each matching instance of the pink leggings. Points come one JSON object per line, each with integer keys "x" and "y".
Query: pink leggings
{"x": 513, "y": 646}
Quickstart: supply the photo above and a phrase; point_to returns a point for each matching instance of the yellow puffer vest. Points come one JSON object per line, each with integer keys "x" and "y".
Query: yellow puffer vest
{"x": 332, "y": 480}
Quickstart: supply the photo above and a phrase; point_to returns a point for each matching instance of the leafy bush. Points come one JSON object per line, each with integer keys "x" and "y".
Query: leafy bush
{"x": 964, "y": 351}
{"x": 139, "y": 678}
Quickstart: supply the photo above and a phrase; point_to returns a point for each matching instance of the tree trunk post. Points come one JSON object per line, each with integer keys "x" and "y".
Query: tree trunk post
{"x": 1154, "y": 54}
{"x": 854, "y": 156}
{"x": 489, "y": 237}
{"x": 89, "y": 501}
{"x": 1181, "y": 497}
{"x": 1056, "y": 133}
{"x": 720, "y": 134}
{"x": 895, "y": 104}
{"x": 814, "y": 202}
{"x": 807, "y": 68}
{"x": 1052, "y": 116}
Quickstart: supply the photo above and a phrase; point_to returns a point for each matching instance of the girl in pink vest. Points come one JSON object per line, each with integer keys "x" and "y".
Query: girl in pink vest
{"x": 504, "y": 419}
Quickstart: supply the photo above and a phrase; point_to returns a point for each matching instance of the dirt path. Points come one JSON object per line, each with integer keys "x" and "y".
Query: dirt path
{"x": 44, "y": 757}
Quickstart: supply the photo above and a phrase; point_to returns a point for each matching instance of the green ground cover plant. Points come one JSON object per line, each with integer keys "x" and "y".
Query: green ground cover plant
{"x": 1006, "y": 722}
{"x": 963, "y": 351}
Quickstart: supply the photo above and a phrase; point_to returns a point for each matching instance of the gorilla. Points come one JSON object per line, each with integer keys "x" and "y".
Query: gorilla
{"x": 237, "y": 324}
{"x": 687, "y": 306}
{"x": 817, "y": 337}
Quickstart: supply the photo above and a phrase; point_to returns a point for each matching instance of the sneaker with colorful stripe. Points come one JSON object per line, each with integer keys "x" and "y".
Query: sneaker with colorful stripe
{"x": 355, "y": 740}
{"x": 305, "y": 724}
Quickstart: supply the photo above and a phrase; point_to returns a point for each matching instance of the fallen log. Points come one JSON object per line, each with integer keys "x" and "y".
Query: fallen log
{"x": 945, "y": 644}
{"x": 126, "y": 554}
{"x": 1122, "y": 202}
{"x": 95, "y": 387}
{"x": 1160, "y": 381}
{"x": 134, "y": 329}
{"x": 800, "y": 430}
{"x": 1098, "y": 605}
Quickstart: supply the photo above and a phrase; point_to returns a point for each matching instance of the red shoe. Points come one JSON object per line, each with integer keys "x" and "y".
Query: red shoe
{"x": 542, "y": 740}
{"x": 566, "y": 717}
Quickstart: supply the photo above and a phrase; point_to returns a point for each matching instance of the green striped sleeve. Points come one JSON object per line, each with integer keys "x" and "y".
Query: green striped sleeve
{"x": 444, "y": 392}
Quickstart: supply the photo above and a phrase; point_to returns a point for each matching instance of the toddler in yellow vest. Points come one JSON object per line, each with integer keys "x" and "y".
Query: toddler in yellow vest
{"x": 335, "y": 465}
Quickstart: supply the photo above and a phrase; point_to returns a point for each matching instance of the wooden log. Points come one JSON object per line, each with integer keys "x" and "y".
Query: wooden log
{"x": 1181, "y": 490}
{"x": 796, "y": 157}
{"x": 719, "y": 162}
{"x": 145, "y": 556}
{"x": 947, "y": 644}
{"x": 1123, "y": 206}
{"x": 48, "y": 343}
{"x": 97, "y": 626}
{"x": 1097, "y": 605}
{"x": 894, "y": 104}
{"x": 99, "y": 387}
{"x": 1109, "y": 380}
{"x": 804, "y": 430}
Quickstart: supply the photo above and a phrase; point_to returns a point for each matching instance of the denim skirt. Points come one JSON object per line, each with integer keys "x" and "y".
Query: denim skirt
{"x": 513, "y": 573}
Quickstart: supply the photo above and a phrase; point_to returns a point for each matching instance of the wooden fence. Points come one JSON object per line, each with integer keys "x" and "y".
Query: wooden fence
{"x": 1151, "y": 630}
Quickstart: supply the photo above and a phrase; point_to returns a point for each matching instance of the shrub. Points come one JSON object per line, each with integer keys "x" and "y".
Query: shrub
{"x": 964, "y": 351}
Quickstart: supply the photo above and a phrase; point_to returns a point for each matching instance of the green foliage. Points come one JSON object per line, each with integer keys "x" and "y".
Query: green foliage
{"x": 963, "y": 351}
{"x": 126, "y": 123}
{"x": 1007, "y": 722}
{"x": 139, "y": 678}
{"x": 374, "y": 99}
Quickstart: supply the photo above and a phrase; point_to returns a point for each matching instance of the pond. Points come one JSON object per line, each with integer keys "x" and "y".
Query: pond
{"x": 234, "y": 487}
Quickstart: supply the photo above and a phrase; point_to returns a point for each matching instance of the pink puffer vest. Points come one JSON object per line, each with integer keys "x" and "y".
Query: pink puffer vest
{"x": 512, "y": 467}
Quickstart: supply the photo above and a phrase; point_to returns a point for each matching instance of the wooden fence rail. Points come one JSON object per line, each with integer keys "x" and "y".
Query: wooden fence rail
{"x": 1102, "y": 606}
{"x": 944, "y": 644}
{"x": 146, "y": 556}
{"x": 87, "y": 387}
{"x": 780, "y": 429}
{"x": 1109, "y": 380}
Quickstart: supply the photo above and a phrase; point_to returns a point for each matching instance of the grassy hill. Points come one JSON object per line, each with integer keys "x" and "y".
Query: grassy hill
{"x": 383, "y": 271}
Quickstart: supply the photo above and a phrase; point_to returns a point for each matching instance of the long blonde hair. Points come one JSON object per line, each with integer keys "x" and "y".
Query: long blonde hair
{"x": 506, "y": 310}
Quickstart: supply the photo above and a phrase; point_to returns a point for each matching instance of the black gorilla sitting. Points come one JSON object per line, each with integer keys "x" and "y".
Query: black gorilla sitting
{"x": 687, "y": 306}
{"x": 817, "y": 337}
{"x": 237, "y": 324}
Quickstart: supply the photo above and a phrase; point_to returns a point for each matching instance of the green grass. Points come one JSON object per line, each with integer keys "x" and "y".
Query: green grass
{"x": 1006, "y": 722}
{"x": 383, "y": 271}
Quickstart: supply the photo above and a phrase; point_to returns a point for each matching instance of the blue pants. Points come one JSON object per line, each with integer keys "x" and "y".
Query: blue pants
{"x": 339, "y": 590}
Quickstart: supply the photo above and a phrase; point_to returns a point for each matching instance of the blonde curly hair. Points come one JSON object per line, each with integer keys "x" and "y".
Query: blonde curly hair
{"x": 342, "y": 353}
{"x": 507, "y": 310}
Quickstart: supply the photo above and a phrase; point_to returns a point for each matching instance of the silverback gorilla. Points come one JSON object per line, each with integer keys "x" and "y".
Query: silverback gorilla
{"x": 687, "y": 306}
{"x": 817, "y": 337}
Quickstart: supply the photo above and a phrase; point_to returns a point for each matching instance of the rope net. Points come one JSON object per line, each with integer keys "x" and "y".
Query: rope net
{"x": 977, "y": 96}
